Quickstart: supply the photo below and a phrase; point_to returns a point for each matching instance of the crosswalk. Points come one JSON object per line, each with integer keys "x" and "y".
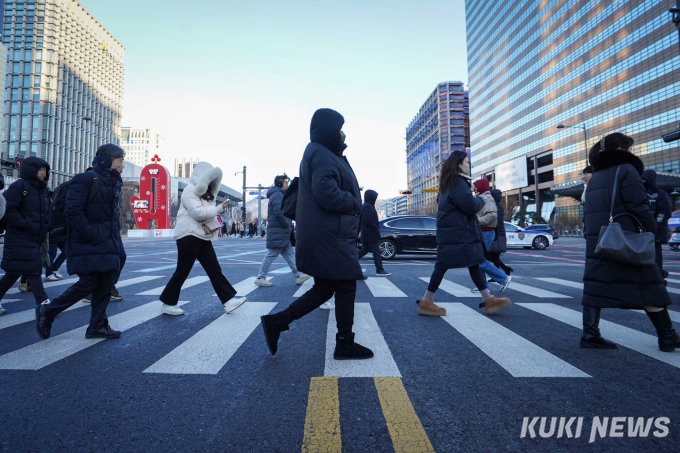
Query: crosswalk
{"x": 210, "y": 348}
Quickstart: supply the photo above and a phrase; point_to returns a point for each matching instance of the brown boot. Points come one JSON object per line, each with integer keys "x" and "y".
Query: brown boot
{"x": 494, "y": 304}
{"x": 429, "y": 308}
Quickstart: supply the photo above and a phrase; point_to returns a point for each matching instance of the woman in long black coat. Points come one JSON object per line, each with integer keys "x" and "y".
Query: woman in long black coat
{"x": 27, "y": 215}
{"x": 459, "y": 237}
{"x": 612, "y": 284}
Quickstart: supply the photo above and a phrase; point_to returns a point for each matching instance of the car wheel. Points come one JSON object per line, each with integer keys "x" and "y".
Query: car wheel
{"x": 540, "y": 243}
{"x": 388, "y": 249}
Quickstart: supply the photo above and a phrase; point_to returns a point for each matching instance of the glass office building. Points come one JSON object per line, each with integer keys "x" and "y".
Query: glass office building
{"x": 595, "y": 67}
{"x": 62, "y": 67}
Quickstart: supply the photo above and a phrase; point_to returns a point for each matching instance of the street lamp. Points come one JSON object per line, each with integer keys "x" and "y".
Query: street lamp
{"x": 89, "y": 120}
{"x": 585, "y": 136}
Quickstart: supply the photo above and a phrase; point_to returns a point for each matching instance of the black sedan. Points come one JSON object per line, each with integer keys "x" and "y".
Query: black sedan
{"x": 545, "y": 229}
{"x": 411, "y": 235}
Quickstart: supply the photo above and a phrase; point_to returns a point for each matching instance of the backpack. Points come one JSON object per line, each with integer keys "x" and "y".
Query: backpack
{"x": 57, "y": 217}
{"x": 289, "y": 202}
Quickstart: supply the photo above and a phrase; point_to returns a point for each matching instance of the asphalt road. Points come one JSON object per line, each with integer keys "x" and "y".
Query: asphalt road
{"x": 205, "y": 381}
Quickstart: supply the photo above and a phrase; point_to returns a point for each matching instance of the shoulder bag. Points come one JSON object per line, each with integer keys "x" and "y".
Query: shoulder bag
{"x": 616, "y": 244}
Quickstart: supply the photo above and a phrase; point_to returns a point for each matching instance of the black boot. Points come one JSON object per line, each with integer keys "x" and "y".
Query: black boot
{"x": 668, "y": 338}
{"x": 591, "y": 337}
{"x": 273, "y": 325}
{"x": 347, "y": 349}
{"x": 42, "y": 325}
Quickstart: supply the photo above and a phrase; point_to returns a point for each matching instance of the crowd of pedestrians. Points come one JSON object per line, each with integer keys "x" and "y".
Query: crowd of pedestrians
{"x": 314, "y": 223}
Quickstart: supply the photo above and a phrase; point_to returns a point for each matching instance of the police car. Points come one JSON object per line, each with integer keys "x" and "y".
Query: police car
{"x": 674, "y": 229}
{"x": 519, "y": 237}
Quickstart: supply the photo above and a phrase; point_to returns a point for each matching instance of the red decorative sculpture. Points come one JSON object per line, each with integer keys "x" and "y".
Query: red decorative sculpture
{"x": 152, "y": 207}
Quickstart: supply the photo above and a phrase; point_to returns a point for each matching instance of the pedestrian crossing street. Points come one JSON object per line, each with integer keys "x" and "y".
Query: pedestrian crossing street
{"x": 209, "y": 349}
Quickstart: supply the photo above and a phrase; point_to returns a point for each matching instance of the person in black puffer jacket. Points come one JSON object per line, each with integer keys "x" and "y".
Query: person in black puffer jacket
{"x": 661, "y": 207}
{"x": 327, "y": 218}
{"x": 613, "y": 284}
{"x": 370, "y": 232}
{"x": 27, "y": 214}
{"x": 93, "y": 242}
{"x": 499, "y": 245}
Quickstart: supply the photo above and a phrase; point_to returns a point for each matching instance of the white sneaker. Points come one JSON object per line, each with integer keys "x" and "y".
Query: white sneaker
{"x": 263, "y": 282}
{"x": 474, "y": 290}
{"x": 234, "y": 303}
{"x": 505, "y": 284}
{"x": 22, "y": 287}
{"x": 327, "y": 306}
{"x": 59, "y": 276}
{"x": 2, "y": 310}
{"x": 302, "y": 278}
{"x": 51, "y": 278}
{"x": 172, "y": 310}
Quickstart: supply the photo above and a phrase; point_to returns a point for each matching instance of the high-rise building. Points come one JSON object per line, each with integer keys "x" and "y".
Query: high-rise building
{"x": 591, "y": 67}
{"x": 438, "y": 129}
{"x": 393, "y": 206}
{"x": 185, "y": 167}
{"x": 64, "y": 84}
{"x": 140, "y": 145}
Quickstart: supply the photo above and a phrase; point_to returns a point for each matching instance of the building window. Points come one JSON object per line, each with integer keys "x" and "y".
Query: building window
{"x": 36, "y": 81}
{"x": 38, "y": 68}
{"x": 29, "y": 54}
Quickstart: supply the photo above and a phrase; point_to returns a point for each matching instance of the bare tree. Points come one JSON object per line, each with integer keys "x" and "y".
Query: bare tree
{"x": 127, "y": 219}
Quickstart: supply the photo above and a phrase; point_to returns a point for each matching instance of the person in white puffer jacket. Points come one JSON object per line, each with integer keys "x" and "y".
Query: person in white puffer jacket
{"x": 197, "y": 207}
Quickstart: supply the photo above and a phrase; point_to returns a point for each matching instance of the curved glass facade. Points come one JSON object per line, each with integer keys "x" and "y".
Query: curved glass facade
{"x": 606, "y": 66}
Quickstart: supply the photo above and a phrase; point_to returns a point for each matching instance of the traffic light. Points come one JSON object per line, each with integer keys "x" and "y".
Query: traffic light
{"x": 7, "y": 163}
{"x": 405, "y": 192}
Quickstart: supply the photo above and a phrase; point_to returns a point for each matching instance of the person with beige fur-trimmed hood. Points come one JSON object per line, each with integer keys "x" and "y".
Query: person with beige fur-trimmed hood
{"x": 197, "y": 209}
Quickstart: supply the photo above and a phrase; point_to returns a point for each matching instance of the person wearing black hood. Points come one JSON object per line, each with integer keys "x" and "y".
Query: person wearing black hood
{"x": 370, "y": 232}
{"x": 93, "y": 240}
{"x": 499, "y": 245}
{"x": 327, "y": 219}
{"x": 660, "y": 205}
{"x": 27, "y": 214}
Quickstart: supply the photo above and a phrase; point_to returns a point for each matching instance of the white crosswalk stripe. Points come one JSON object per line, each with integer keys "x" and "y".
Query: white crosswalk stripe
{"x": 245, "y": 287}
{"x": 559, "y": 281}
{"x": 673, "y": 290}
{"x": 7, "y": 301}
{"x": 536, "y": 292}
{"x": 306, "y": 286}
{"x": 518, "y": 356}
{"x": 47, "y": 352}
{"x": 211, "y": 347}
{"x": 382, "y": 287}
{"x": 454, "y": 289}
{"x": 66, "y": 281}
{"x": 675, "y": 316}
{"x": 187, "y": 284}
{"x": 136, "y": 280}
{"x": 368, "y": 334}
{"x": 632, "y": 339}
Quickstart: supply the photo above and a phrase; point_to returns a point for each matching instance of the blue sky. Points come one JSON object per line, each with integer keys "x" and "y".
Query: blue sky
{"x": 236, "y": 83}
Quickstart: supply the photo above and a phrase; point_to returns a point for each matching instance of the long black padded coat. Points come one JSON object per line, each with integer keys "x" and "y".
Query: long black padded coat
{"x": 608, "y": 283}
{"x": 27, "y": 214}
{"x": 278, "y": 226}
{"x": 370, "y": 224}
{"x": 93, "y": 243}
{"x": 328, "y": 204}
{"x": 459, "y": 237}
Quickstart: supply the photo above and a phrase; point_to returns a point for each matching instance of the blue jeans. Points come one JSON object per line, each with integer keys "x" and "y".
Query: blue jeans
{"x": 288, "y": 254}
{"x": 487, "y": 266}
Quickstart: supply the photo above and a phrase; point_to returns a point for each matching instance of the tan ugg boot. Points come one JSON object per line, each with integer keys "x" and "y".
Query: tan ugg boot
{"x": 427, "y": 307}
{"x": 494, "y": 304}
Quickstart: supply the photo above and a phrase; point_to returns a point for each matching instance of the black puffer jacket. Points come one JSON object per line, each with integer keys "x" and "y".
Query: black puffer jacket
{"x": 278, "y": 226}
{"x": 459, "y": 237}
{"x": 328, "y": 204}
{"x": 370, "y": 225}
{"x": 500, "y": 243}
{"x": 607, "y": 283}
{"x": 28, "y": 211}
{"x": 660, "y": 205}
{"x": 94, "y": 238}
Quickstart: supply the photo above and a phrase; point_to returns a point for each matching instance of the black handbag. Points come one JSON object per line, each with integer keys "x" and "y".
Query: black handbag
{"x": 616, "y": 244}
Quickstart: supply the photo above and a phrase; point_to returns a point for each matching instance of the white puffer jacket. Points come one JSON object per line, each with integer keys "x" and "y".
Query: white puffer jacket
{"x": 193, "y": 209}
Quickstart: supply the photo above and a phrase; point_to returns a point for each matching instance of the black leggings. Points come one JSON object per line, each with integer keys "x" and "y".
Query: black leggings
{"x": 475, "y": 273}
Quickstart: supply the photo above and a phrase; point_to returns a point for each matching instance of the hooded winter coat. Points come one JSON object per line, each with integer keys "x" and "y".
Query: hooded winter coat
{"x": 278, "y": 226}
{"x": 459, "y": 238}
{"x": 328, "y": 204}
{"x": 194, "y": 210}
{"x": 27, "y": 213}
{"x": 608, "y": 283}
{"x": 370, "y": 225}
{"x": 500, "y": 243}
{"x": 93, "y": 243}
{"x": 660, "y": 205}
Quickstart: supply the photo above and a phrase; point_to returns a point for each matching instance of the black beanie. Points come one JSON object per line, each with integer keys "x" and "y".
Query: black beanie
{"x": 111, "y": 151}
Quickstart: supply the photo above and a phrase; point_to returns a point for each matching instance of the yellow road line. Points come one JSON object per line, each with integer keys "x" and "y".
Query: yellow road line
{"x": 403, "y": 423}
{"x": 322, "y": 423}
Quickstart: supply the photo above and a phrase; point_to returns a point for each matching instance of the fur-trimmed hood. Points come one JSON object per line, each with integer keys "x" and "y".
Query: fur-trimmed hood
{"x": 205, "y": 174}
{"x": 607, "y": 159}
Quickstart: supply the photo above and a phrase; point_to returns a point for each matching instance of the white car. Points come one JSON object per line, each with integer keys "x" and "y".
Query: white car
{"x": 519, "y": 237}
